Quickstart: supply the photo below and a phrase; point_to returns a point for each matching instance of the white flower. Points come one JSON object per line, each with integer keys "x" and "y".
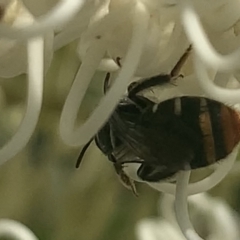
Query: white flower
{"x": 148, "y": 36}
{"x": 148, "y": 40}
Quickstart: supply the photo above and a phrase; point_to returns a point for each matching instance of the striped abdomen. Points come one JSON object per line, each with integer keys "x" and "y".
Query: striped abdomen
{"x": 215, "y": 125}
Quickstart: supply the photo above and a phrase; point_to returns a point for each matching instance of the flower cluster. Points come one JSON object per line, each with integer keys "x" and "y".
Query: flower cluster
{"x": 148, "y": 36}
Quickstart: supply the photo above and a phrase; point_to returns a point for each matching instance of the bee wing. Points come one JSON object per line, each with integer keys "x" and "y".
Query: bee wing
{"x": 159, "y": 140}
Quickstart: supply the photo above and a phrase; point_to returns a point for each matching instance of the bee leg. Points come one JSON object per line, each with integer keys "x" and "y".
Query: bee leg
{"x": 118, "y": 61}
{"x": 136, "y": 87}
{"x": 124, "y": 179}
{"x": 128, "y": 182}
{"x": 177, "y": 68}
{"x": 106, "y": 83}
{"x": 108, "y": 75}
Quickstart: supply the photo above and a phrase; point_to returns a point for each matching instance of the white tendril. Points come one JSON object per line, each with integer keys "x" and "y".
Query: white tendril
{"x": 15, "y": 230}
{"x": 222, "y": 169}
{"x": 181, "y": 207}
{"x": 202, "y": 46}
{"x": 211, "y": 89}
{"x": 75, "y": 137}
{"x": 83, "y": 78}
{"x": 61, "y": 14}
{"x": 34, "y": 101}
{"x": 74, "y": 29}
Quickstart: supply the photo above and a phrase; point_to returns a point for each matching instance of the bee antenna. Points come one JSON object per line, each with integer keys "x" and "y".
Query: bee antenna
{"x": 84, "y": 149}
{"x": 106, "y": 83}
{"x": 177, "y": 68}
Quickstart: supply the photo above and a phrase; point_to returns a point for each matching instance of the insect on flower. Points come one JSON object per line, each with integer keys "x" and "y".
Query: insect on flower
{"x": 165, "y": 137}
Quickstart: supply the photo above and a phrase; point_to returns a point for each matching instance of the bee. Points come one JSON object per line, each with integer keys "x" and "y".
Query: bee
{"x": 164, "y": 138}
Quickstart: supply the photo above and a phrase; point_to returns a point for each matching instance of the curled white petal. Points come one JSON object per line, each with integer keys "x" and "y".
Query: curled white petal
{"x": 211, "y": 89}
{"x": 218, "y": 16}
{"x": 13, "y": 54}
{"x": 106, "y": 19}
{"x": 102, "y": 112}
{"x": 74, "y": 29}
{"x": 61, "y": 14}
{"x": 202, "y": 46}
{"x": 34, "y": 101}
{"x": 15, "y": 230}
{"x": 181, "y": 207}
{"x": 77, "y": 92}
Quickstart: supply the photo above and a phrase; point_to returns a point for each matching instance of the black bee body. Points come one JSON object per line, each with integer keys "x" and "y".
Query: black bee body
{"x": 165, "y": 140}
{"x": 177, "y": 134}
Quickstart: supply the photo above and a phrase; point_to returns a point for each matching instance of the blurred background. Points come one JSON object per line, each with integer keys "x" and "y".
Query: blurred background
{"x": 41, "y": 186}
